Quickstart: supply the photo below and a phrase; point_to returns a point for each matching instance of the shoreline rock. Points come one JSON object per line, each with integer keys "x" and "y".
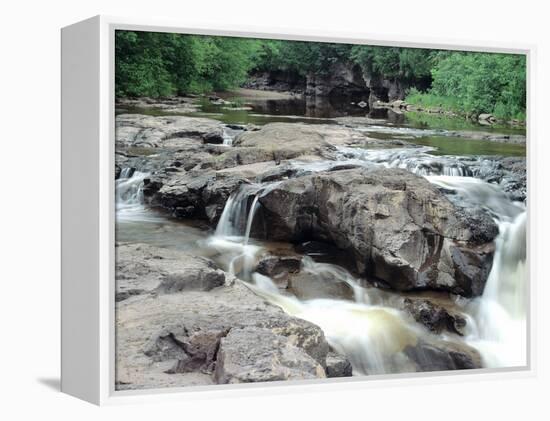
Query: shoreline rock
{"x": 196, "y": 335}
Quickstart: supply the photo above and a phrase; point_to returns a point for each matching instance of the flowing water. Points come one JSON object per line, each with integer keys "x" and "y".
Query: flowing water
{"x": 369, "y": 328}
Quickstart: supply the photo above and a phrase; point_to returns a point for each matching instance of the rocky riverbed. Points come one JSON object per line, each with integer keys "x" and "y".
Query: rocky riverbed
{"x": 304, "y": 250}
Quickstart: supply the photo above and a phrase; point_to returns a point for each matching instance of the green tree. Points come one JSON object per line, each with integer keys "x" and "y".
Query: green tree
{"x": 410, "y": 65}
{"x": 483, "y": 82}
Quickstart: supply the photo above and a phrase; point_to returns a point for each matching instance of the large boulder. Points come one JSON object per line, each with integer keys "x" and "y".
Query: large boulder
{"x": 400, "y": 228}
{"x": 292, "y": 140}
{"x": 192, "y": 194}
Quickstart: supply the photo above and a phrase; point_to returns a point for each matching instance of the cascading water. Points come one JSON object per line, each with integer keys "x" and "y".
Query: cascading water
{"x": 500, "y": 313}
{"x": 232, "y": 235}
{"x": 129, "y": 194}
{"x": 371, "y": 331}
{"x": 373, "y": 336}
{"x": 227, "y": 139}
{"x": 416, "y": 160}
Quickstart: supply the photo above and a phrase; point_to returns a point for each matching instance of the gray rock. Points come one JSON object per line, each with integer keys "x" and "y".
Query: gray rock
{"x": 292, "y": 140}
{"x": 399, "y": 227}
{"x": 213, "y": 137}
{"x": 152, "y": 132}
{"x": 308, "y": 286}
{"x": 193, "y": 194}
{"x": 338, "y": 365}
{"x": 141, "y": 268}
{"x": 278, "y": 268}
{"x": 435, "y": 317}
{"x": 443, "y": 356}
{"x": 257, "y": 354}
{"x": 201, "y": 280}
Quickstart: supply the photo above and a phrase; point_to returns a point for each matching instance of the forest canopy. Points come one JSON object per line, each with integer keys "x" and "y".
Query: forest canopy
{"x": 163, "y": 64}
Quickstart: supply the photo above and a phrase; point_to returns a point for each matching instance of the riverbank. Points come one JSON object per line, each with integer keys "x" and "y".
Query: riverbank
{"x": 417, "y": 104}
{"x": 325, "y": 238}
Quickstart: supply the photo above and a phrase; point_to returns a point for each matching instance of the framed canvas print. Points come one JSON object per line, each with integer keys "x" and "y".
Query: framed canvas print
{"x": 244, "y": 210}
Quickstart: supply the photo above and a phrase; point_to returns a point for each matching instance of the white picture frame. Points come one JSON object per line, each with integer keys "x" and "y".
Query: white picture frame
{"x": 88, "y": 215}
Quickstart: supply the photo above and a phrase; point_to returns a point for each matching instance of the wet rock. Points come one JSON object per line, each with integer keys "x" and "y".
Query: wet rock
{"x": 443, "y": 356}
{"x": 509, "y": 172}
{"x": 257, "y": 355}
{"x": 213, "y": 137}
{"x": 307, "y": 286}
{"x": 193, "y": 194}
{"x": 326, "y": 253}
{"x": 399, "y": 228}
{"x": 338, "y": 365}
{"x": 278, "y": 268}
{"x": 435, "y": 317}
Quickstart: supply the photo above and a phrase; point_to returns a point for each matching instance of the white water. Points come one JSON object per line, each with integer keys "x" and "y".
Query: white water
{"x": 416, "y": 160}
{"x": 227, "y": 139}
{"x": 372, "y": 336}
{"x": 499, "y": 314}
{"x": 370, "y": 331}
{"x": 129, "y": 196}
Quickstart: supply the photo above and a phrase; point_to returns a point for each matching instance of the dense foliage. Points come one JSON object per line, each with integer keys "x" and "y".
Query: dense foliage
{"x": 162, "y": 64}
{"x": 411, "y": 65}
{"x": 481, "y": 82}
{"x": 301, "y": 57}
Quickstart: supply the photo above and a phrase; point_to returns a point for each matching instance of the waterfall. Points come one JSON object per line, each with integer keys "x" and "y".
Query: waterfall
{"x": 235, "y": 212}
{"x": 227, "y": 138}
{"x": 335, "y": 272}
{"x": 250, "y": 220}
{"x": 479, "y": 192}
{"x": 129, "y": 195}
{"x": 372, "y": 337}
{"x": 129, "y": 189}
{"x": 499, "y": 315}
{"x": 232, "y": 235}
{"x": 373, "y": 331}
{"x": 126, "y": 172}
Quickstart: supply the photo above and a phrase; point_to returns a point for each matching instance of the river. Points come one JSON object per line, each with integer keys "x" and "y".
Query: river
{"x": 369, "y": 327}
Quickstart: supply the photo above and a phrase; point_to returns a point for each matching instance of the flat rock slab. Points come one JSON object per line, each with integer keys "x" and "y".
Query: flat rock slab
{"x": 153, "y": 131}
{"x": 141, "y": 268}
